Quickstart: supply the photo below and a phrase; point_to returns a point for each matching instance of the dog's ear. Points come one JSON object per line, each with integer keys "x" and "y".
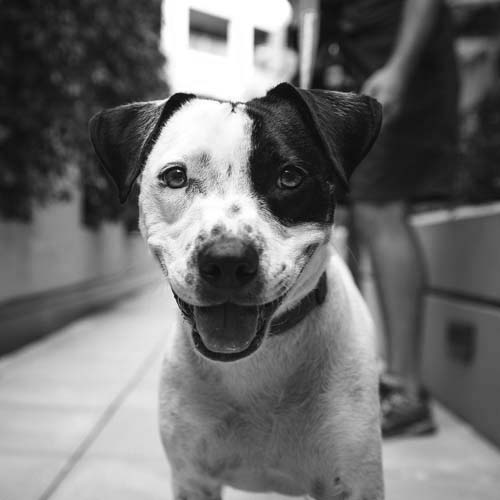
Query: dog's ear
{"x": 123, "y": 137}
{"x": 346, "y": 124}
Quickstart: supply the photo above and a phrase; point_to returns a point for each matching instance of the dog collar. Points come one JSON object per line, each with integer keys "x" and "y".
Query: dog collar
{"x": 297, "y": 313}
{"x": 289, "y": 318}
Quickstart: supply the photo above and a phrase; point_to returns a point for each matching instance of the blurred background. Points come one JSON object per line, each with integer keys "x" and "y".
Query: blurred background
{"x": 68, "y": 248}
{"x": 66, "y": 244}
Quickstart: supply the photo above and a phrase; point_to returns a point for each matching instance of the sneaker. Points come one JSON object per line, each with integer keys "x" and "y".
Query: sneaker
{"x": 404, "y": 414}
{"x": 387, "y": 385}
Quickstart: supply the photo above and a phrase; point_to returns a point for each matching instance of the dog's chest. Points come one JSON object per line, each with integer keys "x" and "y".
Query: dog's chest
{"x": 250, "y": 447}
{"x": 238, "y": 442}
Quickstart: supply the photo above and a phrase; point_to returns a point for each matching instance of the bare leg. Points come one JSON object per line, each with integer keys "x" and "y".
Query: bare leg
{"x": 399, "y": 277}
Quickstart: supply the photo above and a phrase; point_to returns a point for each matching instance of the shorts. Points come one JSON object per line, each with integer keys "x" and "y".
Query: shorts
{"x": 415, "y": 155}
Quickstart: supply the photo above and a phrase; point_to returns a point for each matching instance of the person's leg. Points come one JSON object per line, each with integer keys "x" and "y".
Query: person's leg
{"x": 399, "y": 276}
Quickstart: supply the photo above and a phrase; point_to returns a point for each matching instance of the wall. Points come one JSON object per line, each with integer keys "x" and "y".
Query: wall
{"x": 53, "y": 270}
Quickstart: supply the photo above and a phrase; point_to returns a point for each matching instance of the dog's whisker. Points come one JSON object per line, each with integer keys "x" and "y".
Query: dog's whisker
{"x": 233, "y": 204}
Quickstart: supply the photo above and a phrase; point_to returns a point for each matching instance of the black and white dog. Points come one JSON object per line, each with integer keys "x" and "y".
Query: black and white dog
{"x": 269, "y": 381}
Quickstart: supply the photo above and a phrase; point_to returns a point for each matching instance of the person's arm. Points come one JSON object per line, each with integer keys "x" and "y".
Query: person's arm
{"x": 417, "y": 23}
{"x": 388, "y": 84}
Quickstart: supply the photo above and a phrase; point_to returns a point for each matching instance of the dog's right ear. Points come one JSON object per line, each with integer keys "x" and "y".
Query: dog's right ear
{"x": 123, "y": 137}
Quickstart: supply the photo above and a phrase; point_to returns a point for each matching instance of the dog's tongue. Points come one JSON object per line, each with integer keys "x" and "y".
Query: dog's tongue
{"x": 227, "y": 328}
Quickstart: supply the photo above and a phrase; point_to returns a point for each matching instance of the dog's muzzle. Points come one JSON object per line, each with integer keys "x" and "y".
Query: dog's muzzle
{"x": 228, "y": 267}
{"x": 231, "y": 328}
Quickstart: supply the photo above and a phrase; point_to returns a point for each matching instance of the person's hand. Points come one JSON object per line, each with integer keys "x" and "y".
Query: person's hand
{"x": 387, "y": 86}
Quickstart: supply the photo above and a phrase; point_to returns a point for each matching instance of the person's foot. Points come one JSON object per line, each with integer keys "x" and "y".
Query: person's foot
{"x": 404, "y": 413}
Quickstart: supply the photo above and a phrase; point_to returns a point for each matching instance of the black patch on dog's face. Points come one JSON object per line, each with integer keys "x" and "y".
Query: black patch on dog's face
{"x": 281, "y": 138}
{"x": 327, "y": 134}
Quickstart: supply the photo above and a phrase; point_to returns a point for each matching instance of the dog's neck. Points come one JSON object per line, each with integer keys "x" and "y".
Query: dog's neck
{"x": 291, "y": 317}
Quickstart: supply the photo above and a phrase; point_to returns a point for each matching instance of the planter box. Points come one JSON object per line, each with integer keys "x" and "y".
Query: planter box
{"x": 461, "y": 349}
{"x": 462, "y": 251}
{"x": 461, "y": 354}
{"x": 53, "y": 270}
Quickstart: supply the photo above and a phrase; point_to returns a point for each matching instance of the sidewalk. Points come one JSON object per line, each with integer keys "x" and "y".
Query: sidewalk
{"x": 78, "y": 421}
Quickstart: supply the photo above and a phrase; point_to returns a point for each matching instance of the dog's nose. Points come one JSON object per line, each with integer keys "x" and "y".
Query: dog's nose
{"x": 228, "y": 263}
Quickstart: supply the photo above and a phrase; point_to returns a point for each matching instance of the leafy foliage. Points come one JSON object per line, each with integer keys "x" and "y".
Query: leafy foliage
{"x": 60, "y": 62}
{"x": 479, "y": 179}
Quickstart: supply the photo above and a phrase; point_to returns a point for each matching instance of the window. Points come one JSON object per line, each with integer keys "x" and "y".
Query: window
{"x": 207, "y": 33}
{"x": 260, "y": 37}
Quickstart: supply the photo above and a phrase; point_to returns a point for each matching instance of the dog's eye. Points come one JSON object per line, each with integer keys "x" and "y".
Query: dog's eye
{"x": 174, "y": 177}
{"x": 290, "y": 177}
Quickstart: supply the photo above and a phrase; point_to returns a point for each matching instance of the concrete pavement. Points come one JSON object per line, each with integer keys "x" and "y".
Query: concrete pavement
{"x": 78, "y": 421}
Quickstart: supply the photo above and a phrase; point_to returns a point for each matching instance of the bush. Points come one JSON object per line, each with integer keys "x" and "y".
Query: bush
{"x": 479, "y": 179}
{"x": 60, "y": 62}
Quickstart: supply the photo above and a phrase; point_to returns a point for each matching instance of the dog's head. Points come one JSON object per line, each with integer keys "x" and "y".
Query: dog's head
{"x": 237, "y": 199}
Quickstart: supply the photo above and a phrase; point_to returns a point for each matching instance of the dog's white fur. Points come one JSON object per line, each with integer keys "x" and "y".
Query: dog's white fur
{"x": 300, "y": 415}
{"x": 215, "y": 145}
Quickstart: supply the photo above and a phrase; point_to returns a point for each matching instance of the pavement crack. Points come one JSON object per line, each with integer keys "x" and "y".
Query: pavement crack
{"x": 108, "y": 413}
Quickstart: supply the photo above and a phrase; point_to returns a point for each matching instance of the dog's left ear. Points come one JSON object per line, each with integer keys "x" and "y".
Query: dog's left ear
{"x": 346, "y": 124}
{"x": 123, "y": 137}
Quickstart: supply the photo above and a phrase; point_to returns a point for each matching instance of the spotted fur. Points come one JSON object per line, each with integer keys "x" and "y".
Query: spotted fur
{"x": 300, "y": 415}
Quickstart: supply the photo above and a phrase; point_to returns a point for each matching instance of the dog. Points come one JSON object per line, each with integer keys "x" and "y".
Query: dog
{"x": 269, "y": 380}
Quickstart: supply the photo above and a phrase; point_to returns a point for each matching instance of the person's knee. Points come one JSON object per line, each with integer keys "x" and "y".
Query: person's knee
{"x": 372, "y": 220}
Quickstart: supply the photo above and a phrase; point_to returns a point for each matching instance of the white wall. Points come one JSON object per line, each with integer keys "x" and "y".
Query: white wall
{"x": 54, "y": 250}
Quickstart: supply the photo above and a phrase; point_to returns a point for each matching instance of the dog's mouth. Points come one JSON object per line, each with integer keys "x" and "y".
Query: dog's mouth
{"x": 228, "y": 332}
